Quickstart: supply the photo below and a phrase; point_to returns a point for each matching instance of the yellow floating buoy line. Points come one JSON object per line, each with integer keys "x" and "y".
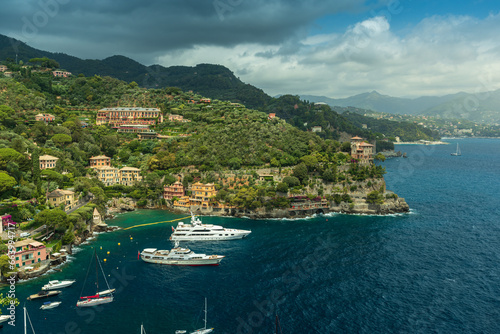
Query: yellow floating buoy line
{"x": 163, "y": 222}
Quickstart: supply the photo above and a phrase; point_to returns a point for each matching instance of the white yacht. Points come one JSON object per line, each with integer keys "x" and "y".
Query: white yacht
{"x": 196, "y": 230}
{"x": 57, "y": 285}
{"x": 179, "y": 256}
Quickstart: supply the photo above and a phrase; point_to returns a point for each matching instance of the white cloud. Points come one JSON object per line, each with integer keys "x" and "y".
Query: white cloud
{"x": 438, "y": 56}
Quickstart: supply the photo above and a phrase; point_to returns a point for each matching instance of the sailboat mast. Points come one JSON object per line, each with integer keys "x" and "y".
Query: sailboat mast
{"x": 96, "y": 272}
{"x": 25, "y": 330}
{"x": 205, "y": 313}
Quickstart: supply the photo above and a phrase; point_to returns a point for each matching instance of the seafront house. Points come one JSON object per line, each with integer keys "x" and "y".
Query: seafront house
{"x": 29, "y": 252}
{"x": 202, "y": 197}
{"x": 44, "y": 118}
{"x": 60, "y": 196}
{"x": 361, "y": 151}
{"x": 130, "y": 175}
{"x": 176, "y": 189}
{"x": 47, "y": 161}
{"x": 100, "y": 161}
{"x": 127, "y": 116}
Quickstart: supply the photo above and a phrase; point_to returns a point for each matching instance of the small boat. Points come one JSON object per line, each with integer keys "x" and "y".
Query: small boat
{"x": 179, "y": 256}
{"x": 49, "y": 305}
{"x": 457, "y": 153}
{"x": 101, "y": 297}
{"x": 44, "y": 294}
{"x": 57, "y": 284}
{"x": 199, "y": 231}
{"x": 4, "y": 318}
{"x": 203, "y": 330}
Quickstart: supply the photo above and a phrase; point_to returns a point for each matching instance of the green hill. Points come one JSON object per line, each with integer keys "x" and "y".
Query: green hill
{"x": 213, "y": 81}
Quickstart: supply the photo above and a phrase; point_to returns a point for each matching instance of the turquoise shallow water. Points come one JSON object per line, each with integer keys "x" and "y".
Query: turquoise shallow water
{"x": 433, "y": 270}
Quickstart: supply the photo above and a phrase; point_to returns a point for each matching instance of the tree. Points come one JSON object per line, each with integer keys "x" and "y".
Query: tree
{"x": 300, "y": 172}
{"x": 375, "y": 197}
{"x": 7, "y": 182}
{"x": 69, "y": 236}
{"x": 291, "y": 181}
{"x": 54, "y": 218}
{"x": 282, "y": 187}
{"x": 346, "y": 147}
{"x": 61, "y": 139}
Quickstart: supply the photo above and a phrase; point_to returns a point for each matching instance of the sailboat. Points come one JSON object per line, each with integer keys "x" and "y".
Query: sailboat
{"x": 203, "y": 330}
{"x": 101, "y": 297}
{"x": 457, "y": 153}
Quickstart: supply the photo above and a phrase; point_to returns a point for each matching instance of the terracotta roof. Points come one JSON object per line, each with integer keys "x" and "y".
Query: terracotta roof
{"x": 356, "y": 138}
{"x": 47, "y": 157}
{"x": 130, "y": 169}
{"x": 27, "y": 242}
{"x": 100, "y": 157}
{"x": 365, "y": 144}
{"x": 60, "y": 192}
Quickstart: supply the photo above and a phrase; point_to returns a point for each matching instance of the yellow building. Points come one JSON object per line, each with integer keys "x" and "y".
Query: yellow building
{"x": 60, "y": 196}
{"x": 202, "y": 196}
{"x": 108, "y": 175}
{"x": 99, "y": 161}
{"x": 47, "y": 161}
{"x": 130, "y": 175}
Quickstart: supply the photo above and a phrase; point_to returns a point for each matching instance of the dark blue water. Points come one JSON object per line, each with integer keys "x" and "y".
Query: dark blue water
{"x": 435, "y": 270}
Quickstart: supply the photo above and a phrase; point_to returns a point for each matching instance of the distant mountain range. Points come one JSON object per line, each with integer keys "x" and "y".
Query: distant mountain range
{"x": 214, "y": 81}
{"x": 217, "y": 81}
{"x": 481, "y": 108}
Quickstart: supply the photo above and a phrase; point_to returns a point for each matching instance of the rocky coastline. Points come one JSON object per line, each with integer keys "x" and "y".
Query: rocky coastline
{"x": 359, "y": 206}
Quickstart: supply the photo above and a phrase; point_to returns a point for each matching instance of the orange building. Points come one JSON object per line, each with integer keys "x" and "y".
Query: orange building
{"x": 100, "y": 161}
{"x": 202, "y": 196}
{"x": 29, "y": 252}
{"x": 174, "y": 190}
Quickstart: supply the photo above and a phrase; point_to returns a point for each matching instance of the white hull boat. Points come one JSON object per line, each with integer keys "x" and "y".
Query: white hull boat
{"x": 4, "y": 318}
{"x": 49, "y": 305}
{"x": 52, "y": 285}
{"x": 197, "y": 231}
{"x": 94, "y": 301}
{"x": 179, "y": 256}
{"x": 101, "y": 297}
{"x": 203, "y": 330}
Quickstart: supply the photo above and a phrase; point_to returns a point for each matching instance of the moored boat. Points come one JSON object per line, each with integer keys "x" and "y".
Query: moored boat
{"x": 4, "y": 318}
{"x": 196, "y": 230}
{"x": 57, "y": 284}
{"x": 179, "y": 256}
{"x": 44, "y": 294}
{"x": 101, "y": 297}
{"x": 49, "y": 305}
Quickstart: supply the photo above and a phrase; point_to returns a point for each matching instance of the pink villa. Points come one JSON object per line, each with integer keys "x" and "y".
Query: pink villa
{"x": 29, "y": 252}
{"x": 6, "y": 220}
{"x": 361, "y": 150}
{"x": 174, "y": 190}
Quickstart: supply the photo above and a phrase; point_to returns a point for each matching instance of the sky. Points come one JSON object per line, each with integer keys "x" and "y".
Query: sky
{"x": 333, "y": 48}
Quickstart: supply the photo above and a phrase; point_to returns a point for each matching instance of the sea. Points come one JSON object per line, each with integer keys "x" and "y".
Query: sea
{"x": 433, "y": 270}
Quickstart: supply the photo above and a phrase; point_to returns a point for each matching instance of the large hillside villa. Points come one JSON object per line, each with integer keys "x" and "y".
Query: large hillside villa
{"x": 361, "y": 151}
{"x": 127, "y": 116}
{"x": 47, "y": 161}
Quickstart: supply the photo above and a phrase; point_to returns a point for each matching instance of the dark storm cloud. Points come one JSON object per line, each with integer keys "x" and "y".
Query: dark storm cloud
{"x": 145, "y": 29}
